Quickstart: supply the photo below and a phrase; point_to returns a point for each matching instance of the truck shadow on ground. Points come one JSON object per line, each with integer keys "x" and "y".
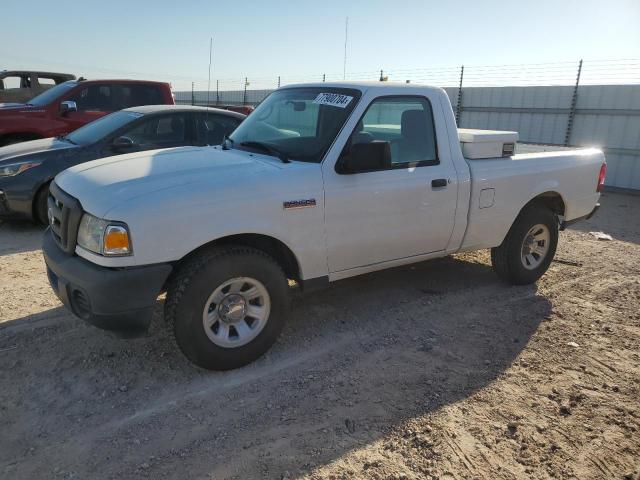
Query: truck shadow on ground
{"x": 355, "y": 361}
{"x": 19, "y": 236}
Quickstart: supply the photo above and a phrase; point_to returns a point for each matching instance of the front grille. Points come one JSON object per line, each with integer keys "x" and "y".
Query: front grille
{"x": 64, "y": 215}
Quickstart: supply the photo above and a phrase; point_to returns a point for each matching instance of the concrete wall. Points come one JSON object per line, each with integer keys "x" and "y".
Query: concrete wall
{"x": 606, "y": 116}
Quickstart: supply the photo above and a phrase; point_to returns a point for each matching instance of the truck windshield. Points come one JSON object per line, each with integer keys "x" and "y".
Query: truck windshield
{"x": 97, "y": 130}
{"x": 48, "y": 96}
{"x": 300, "y": 123}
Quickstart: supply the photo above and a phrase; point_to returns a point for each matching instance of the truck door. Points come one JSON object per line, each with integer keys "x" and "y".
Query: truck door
{"x": 403, "y": 209}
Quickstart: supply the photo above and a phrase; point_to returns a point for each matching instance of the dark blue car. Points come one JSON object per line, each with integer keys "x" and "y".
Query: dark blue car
{"x": 27, "y": 168}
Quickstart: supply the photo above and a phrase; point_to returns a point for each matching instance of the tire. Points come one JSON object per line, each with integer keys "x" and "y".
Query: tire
{"x": 227, "y": 341}
{"x": 40, "y": 206}
{"x": 523, "y": 258}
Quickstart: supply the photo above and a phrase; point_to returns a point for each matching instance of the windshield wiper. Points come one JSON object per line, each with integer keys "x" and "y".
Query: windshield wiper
{"x": 267, "y": 148}
{"x": 65, "y": 139}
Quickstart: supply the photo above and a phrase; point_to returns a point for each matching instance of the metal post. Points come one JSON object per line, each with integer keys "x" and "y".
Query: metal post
{"x": 324, "y": 76}
{"x": 244, "y": 98}
{"x": 217, "y": 92}
{"x": 459, "y": 105}
{"x": 193, "y": 98}
{"x": 572, "y": 110}
{"x": 278, "y": 81}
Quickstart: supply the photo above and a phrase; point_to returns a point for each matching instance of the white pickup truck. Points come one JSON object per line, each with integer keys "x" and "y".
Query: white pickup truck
{"x": 321, "y": 182}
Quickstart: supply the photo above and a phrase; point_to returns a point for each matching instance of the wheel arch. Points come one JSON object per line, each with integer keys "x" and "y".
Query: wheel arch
{"x": 551, "y": 199}
{"x": 270, "y": 245}
{"x": 37, "y": 191}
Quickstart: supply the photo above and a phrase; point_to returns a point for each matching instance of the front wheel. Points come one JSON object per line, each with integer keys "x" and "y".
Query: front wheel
{"x": 529, "y": 247}
{"x": 40, "y": 205}
{"x": 228, "y": 306}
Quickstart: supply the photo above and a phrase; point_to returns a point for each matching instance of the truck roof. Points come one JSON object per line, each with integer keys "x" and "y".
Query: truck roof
{"x": 6, "y": 73}
{"x": 120, "y": 80}
{"x": 372, "y": 85}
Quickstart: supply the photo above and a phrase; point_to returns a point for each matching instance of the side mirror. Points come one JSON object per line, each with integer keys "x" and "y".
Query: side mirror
{"x": 366, "y": 157}
{"x": 68, "y": 106}
{"x": 122, "y": 144}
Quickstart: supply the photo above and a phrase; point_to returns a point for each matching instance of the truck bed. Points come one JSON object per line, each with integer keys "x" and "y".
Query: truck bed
{"x": 501, "y": 186}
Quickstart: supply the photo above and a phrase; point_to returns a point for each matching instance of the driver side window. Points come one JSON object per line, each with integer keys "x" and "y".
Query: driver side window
{"x": 406, "y": 123}
{"x": 159, "y": 131}
{"x": 94, "y": 98}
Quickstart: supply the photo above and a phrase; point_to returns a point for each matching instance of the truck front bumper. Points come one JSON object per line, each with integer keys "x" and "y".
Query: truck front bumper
{"x": 120, "y": 299}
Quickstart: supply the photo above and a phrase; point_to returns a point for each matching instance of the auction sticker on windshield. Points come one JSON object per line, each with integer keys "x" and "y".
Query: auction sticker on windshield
{"x": 333, "y": 99}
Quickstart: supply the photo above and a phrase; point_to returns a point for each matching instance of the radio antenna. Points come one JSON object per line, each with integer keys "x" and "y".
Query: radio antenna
{"x": 206, "y": 116}
{"x": 346, "y": 34}
{"x": 209, "y": 81}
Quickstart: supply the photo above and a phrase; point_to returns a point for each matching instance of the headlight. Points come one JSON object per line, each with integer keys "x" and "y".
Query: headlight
{"x": 104, "y": 237}
{"x": 16, "y": 168}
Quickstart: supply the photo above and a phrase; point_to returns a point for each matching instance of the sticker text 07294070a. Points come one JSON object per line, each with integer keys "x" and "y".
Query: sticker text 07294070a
{"x": 333, "y": 99}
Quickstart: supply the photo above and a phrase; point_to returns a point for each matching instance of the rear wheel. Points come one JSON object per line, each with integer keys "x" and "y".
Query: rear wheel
{"x": 228, "y": 306}
{"x": 529, "y": 247}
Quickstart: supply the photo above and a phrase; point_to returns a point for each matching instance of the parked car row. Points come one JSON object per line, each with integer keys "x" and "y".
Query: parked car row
{"x": 27, "y": 168}
{"x": 322, "y": 182}
{"x": 81, "y": 120}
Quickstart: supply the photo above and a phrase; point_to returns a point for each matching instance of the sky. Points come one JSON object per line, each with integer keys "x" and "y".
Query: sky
{"x": 169, "y": 40}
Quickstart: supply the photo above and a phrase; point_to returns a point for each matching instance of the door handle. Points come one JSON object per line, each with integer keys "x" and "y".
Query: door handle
{"x": 439, "y": 183}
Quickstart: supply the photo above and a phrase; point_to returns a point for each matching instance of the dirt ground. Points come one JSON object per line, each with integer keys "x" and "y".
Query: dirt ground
{"x": 437, "y": 370}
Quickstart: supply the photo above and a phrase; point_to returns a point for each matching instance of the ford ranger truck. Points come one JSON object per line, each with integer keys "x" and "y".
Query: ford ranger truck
{"x": 321, "y": 182}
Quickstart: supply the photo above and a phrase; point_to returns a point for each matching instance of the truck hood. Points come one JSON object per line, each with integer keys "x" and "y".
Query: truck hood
{"x": 35, "y": 146}
{"x": 102, "y": 184}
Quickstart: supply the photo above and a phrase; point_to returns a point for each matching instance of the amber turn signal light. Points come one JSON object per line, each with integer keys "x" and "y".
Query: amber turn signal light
{"x": 116, "y": 240}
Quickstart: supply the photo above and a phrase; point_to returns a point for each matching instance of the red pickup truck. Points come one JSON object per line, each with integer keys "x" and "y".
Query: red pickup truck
{"x": 69, "y": 105}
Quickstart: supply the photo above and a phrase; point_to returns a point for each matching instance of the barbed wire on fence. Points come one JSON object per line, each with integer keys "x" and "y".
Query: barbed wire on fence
{"x": 252, "y": 90}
